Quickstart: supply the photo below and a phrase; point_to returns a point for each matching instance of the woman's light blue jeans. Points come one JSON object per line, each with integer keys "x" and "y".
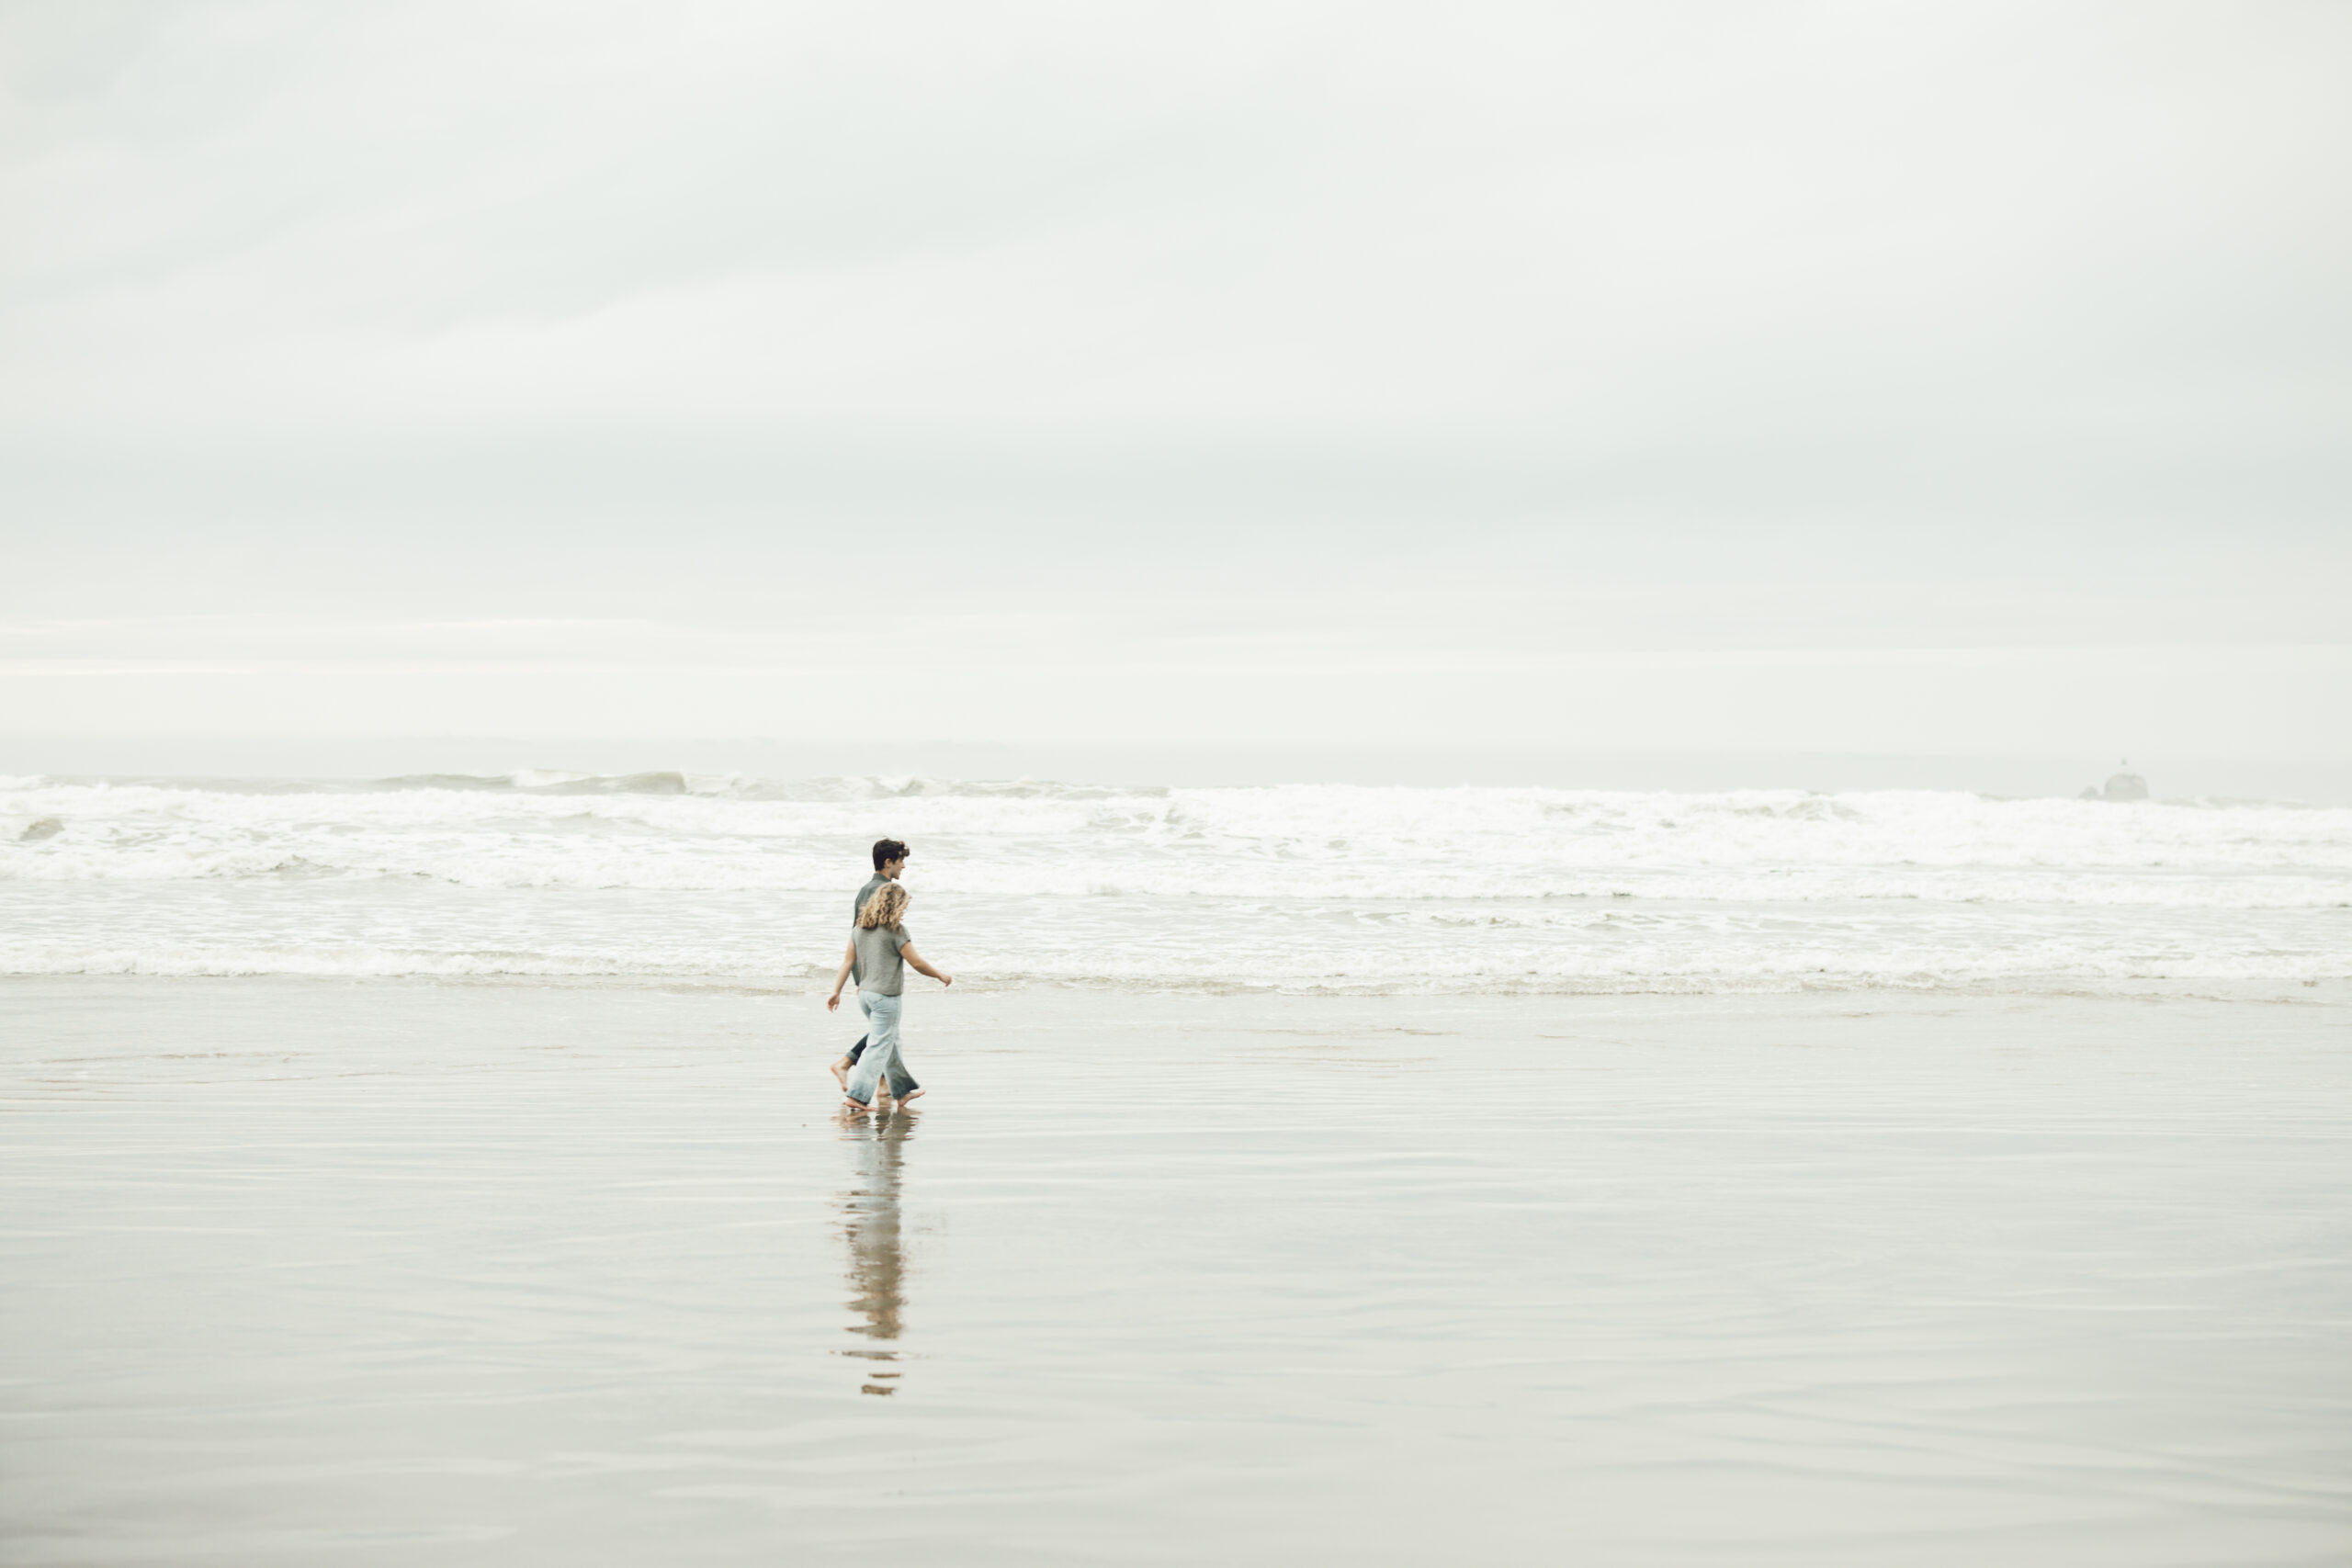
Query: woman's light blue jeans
{"x": 881, "y": 1046}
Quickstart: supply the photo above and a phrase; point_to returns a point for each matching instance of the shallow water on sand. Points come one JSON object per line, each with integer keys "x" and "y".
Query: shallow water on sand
{"x": 335, "y": 1272}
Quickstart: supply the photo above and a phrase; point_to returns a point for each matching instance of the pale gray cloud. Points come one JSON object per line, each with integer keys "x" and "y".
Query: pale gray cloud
{"x": 1434, "y": 335}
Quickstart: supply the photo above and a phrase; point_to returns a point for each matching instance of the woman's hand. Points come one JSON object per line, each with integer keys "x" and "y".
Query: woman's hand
{"x": 946, "y": 979}
{"x": 841, "y": 975}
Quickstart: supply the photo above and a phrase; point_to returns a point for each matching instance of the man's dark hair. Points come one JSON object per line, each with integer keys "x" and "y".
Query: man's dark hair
{"x": 889, "y": 848}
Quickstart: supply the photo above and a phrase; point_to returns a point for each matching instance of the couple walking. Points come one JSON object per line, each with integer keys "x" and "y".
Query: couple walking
{"x": 879, "y": 954}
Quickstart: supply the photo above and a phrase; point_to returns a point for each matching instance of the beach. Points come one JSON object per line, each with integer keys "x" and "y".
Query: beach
{"x": 377, "y": 1270}
{"x": 1614, "y": 719}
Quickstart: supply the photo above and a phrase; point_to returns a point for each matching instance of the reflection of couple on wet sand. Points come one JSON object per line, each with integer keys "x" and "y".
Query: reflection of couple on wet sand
{"x": 877, "y": 1261}
{"x": 881, "y": 953}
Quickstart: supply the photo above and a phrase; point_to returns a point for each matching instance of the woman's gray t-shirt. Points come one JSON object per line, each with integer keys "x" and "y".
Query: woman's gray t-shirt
{"x": 879, "y": 967}
{"x": 874, "y": 883}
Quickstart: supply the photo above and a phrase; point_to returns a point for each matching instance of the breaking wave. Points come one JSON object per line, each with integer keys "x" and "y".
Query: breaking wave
{"x": 676, "y": 874}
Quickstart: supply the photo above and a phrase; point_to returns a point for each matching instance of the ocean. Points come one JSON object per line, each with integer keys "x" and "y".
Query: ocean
{"x": 674, "y": 876}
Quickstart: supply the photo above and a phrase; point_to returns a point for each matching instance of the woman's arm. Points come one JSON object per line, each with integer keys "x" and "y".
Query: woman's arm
{"x": 914, "y": 961}
{"x": 841, "y": 977}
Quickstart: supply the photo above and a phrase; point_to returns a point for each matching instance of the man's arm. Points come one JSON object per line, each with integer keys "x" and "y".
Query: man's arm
{"x": 914, "y": 961}
{"x": 841, "y": 975}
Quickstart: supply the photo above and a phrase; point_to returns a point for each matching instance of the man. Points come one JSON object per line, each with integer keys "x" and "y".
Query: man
{"x": 889, "y": 860}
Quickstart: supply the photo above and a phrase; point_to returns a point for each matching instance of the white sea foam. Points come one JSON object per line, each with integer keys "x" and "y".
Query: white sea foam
{"x": 684, "y": 875}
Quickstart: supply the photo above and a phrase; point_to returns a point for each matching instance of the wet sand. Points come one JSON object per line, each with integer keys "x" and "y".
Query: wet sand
{"x": 332, "y": 1272}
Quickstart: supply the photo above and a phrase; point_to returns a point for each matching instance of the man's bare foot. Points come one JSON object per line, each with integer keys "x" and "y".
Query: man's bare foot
{"x": 841, "y": 1073}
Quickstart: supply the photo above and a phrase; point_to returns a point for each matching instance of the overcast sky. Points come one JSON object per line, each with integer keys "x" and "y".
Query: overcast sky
{"x": 1972, "y": 378}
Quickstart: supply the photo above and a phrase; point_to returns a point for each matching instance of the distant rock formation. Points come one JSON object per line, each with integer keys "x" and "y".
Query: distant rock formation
{"x": 2118, "y": 786}
{"x": 47, "y": 828}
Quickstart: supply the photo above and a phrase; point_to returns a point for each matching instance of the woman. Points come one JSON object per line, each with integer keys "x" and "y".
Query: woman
{"x": 881, "y": 952}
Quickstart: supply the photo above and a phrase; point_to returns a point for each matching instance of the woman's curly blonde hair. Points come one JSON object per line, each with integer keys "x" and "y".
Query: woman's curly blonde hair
{"x": 885, "y": 909}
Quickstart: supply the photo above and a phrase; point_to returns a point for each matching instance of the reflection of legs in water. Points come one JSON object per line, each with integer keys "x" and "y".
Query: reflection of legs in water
{"x": 878, "y": 1264}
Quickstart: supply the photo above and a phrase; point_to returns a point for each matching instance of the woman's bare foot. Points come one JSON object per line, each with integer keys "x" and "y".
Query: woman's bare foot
{"x": 906, "y": 1099}
{"x": 854, "y": 1109}
{"x": 841, "y": 1073}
